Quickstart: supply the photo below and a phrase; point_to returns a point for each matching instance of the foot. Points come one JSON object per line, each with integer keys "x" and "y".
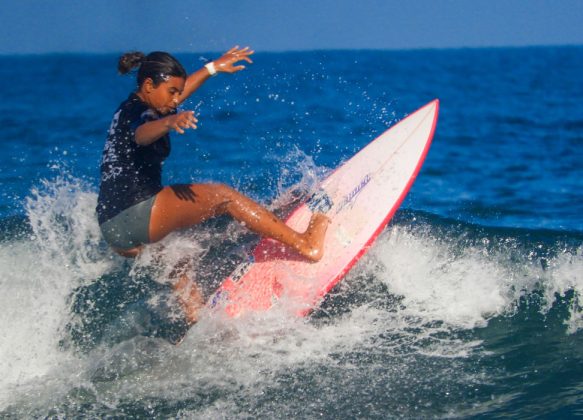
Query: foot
{"x": 314, "y": 236}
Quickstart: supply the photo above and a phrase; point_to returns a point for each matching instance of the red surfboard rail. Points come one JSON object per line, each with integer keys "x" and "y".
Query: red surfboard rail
{"x": 362, "y": 195}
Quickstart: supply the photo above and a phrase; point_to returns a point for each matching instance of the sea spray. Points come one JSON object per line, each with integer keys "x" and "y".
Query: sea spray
{"x": 453, "y": 273}
{"x": 39, "y": 274}
{"x": 379, "y": 332}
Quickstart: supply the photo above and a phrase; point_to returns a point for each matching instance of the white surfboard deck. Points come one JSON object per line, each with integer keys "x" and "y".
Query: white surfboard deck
{"x": 360, "y": 197}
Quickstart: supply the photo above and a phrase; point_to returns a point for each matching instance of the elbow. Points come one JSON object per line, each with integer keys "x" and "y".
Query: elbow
{"x": 140, "y": 141}
{"x": 140, "y": 138}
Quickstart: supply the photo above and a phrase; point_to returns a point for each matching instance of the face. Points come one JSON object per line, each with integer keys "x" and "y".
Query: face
{"x": 164, "y": 97}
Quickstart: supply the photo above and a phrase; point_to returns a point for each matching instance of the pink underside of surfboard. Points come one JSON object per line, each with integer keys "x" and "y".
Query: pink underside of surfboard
{"x": 360, "y": 197}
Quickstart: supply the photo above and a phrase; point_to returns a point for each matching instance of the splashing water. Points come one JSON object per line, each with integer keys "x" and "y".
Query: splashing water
{"x": 417, "y": 301}
{"x": 38, "y": 275}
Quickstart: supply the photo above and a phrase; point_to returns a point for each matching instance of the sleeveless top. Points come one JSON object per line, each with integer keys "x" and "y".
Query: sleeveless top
{"x": 130, "y": 173}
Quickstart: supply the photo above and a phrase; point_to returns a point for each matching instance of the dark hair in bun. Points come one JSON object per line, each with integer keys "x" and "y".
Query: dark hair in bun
{"x": 158, "y": 66}
{"x": 129, "y": 61}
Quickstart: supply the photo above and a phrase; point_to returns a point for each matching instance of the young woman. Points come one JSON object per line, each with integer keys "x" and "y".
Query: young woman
{"x": 134, "y": 208}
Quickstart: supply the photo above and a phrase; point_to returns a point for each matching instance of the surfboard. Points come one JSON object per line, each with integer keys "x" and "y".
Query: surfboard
{"x": 360, "y": 197}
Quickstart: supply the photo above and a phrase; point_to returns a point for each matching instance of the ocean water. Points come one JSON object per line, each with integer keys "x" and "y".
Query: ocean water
{"x": 468, "y": 305}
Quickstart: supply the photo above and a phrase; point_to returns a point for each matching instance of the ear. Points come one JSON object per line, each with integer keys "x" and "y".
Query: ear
{"x": 148, "y": 85}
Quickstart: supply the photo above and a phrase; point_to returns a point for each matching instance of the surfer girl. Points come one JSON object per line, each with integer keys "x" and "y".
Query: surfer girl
{"x": 133, "y": 207}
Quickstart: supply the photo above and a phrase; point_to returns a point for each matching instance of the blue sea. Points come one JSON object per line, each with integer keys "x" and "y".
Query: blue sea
{"x": 469, "y": 304}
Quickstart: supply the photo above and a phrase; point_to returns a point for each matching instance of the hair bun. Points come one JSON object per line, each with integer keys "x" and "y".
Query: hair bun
{"x": 130, "y": 61}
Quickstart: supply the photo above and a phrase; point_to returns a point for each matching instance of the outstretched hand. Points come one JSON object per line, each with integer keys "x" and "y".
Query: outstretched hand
{"x": 182, "y": 121}
{"x": 227, "y": 63}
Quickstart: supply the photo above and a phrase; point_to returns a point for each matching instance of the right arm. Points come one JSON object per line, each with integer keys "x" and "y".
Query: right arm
{"x": 151, "y": 131}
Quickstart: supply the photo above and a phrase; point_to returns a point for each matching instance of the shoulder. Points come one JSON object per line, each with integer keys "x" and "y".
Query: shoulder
{"x": 149, "y": 114}
{"x": 133, "y": 112}
{"x": 133, "y": 105}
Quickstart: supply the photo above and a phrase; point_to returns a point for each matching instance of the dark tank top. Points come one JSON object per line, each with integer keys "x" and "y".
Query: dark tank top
{"x": 130, "y": 173}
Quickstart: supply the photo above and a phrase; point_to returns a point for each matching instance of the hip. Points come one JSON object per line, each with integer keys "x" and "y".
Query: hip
{"x": 130, "y": 227}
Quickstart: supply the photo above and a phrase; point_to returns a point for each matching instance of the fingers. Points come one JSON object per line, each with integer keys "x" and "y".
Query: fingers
{"x": 237, "y": 53}
{"x": 227, "y": 62}
{"x": 190, "y": 121}
{"x": 229, "y": 68}
{"x": 184, "y": 121}
{"x": 237, "y": 49}
{"x": 187, "y": 119}
{"x": 244, "y": 54}
{"x": 245, "y": 50}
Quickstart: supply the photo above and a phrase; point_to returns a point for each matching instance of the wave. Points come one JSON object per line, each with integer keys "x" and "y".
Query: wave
{"x": 86, "y": 324}
{"x": 466, "y": 274}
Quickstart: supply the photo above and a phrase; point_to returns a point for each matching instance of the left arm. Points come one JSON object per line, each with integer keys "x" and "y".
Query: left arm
{"x": 151, "y": 131}
{"x": 227, "y": 63}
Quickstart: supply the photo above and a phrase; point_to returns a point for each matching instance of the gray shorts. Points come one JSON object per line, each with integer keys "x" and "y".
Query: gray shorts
{"x": 131, "y": 227}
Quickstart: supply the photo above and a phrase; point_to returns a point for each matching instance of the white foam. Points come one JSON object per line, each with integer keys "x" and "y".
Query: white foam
{"x": 565, "y": 275}
{"x": 438, "y": 285}
{"x": 62, "y": 216}
{"x": 162, "y": 258}
{"x": 37, "y": 276}
{"x": 432, "y": 287}
{"x": 447, "y": 280}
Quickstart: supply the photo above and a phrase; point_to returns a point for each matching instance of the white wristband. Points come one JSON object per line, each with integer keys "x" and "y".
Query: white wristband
{"x": 211, "y": 68}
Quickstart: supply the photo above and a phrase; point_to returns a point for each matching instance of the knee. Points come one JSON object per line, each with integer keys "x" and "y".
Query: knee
{"x": 225, "y": 198}
{"x": 129, "y": 253}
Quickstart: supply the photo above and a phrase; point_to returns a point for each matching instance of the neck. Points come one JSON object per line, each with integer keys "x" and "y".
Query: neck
{"x": 142, "y": 97}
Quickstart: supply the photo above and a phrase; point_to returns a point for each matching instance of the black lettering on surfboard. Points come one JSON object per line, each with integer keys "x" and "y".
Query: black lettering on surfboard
{"x": 242, "y": 269}
{"x": 349, "y": 199}
{"x": 218, "y": 297}
{"x": 320, "y": 202}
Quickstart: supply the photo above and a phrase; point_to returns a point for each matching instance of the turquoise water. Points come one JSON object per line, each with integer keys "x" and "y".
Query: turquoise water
{"x": 468, "y": 305}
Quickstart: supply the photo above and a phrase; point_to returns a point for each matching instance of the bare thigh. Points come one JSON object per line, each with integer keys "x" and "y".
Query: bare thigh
{"x": 180, "y": 206}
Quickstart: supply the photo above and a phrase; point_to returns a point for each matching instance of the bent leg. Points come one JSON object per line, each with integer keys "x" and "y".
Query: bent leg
{"x": 188, "y": 292}
{"x": 181, "y": 206}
